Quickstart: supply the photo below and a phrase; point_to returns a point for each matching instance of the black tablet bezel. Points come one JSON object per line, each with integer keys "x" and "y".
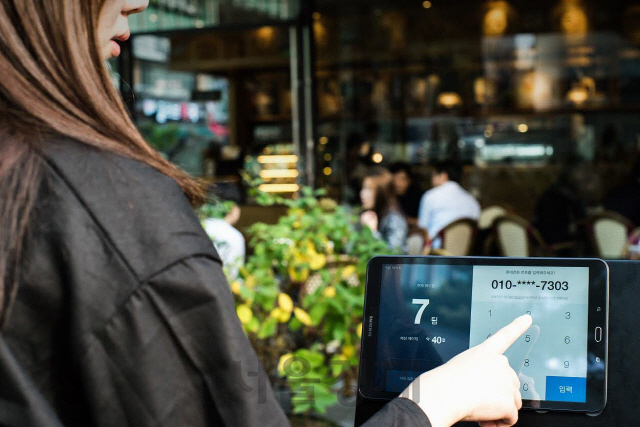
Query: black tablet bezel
{"x": 598, "y": 317}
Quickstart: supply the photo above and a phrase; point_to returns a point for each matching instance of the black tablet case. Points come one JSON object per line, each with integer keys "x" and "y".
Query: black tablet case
{"x": 623, "y": 398}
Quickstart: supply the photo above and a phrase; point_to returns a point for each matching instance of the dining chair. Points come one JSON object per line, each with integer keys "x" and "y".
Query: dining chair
{"x": 609, "y": 233}
{"x": 458, "y": 237}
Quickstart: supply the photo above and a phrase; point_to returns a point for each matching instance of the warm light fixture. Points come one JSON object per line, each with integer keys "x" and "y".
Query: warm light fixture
{"x": 426, "y": 4}
{"x": 279, "y": 188}
{"x": 573, "y": 18}
{"x": 320, "y": 32}
{"x": 582, "y": 91}
{"x": 449, "y": 99}
{"x": 279, "y": 173}
{"x": 377, "y": 158}
{"x": 327, "y": 157}
{"x": 578, "y": 95}
{"x": 523, "y": 128}
{"x": 543, "y": 95}
{"x": 480, "y": 90}
{"x": 266, "y": 34}
{"x": 496, "y": 18}
{"x": 324, "y": 140}
{"x": 327, "y": 171}
{"x": 287, "y": 158}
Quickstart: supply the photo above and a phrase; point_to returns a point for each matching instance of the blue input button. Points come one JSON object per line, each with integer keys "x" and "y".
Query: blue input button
{"x": 566, "y": 389}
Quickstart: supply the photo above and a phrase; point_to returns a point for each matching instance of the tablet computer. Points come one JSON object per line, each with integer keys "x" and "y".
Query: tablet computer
{"x": 422, "y": 311}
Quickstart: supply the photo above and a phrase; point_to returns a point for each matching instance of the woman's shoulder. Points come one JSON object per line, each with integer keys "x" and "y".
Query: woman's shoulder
{"x": 141, "y": 211}
{"x": 85, "y": 168}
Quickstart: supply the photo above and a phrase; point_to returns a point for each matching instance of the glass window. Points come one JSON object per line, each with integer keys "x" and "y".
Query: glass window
{"x": 165, "y": 15}
{"x": 533, "y": 100}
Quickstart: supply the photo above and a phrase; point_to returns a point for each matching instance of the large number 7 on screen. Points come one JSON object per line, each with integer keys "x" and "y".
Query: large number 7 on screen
{"x": 424, "y": 303}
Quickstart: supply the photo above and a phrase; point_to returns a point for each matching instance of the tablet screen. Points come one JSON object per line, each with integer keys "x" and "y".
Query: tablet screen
{"x": 428, "y": 313}
{"x": 447, "y": 309}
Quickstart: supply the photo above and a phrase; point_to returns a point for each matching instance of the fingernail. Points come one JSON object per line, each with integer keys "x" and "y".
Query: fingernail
{"x": 526, "y": 316}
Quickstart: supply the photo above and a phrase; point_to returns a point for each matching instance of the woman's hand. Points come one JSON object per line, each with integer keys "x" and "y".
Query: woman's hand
{"x": 476, "y": 385}
{"x": 369, "y": 219}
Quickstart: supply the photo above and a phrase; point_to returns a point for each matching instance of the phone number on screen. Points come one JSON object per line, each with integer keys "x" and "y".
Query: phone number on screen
{"x": 548, "y": 285}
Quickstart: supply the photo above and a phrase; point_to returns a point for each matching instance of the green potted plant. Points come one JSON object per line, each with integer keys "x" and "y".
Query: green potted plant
{"x": 300, "y": 297}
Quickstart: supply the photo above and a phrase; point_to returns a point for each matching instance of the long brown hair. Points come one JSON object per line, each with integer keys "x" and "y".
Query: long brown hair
{"x": 385, "y": 195}
{"x": 54, "y": 83}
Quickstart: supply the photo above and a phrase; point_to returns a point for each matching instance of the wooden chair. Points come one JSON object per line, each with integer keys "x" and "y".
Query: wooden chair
{"x": 417, "y": 241}
{"x": 516, "y": 237}
{"x": 489, "y": 214}
{"x": 457, "y": 237}
{"x": 609, "y": 233}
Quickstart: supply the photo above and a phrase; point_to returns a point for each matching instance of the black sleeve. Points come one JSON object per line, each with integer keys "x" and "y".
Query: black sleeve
{"x": 21, "y": 403}
{"x": 176, "y": 355}
{"x": 399, "y": 413}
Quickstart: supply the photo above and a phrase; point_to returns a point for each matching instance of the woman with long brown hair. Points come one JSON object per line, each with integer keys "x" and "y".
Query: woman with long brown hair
{"x": 381, "y": 209}
{"x": 114, "y": 310}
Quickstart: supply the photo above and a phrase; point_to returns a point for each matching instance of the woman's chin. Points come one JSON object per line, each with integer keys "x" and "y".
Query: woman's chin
{"x": 114, "y": 49}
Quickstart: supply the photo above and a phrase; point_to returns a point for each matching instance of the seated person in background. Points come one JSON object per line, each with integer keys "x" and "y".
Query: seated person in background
{"x": 381, "y": 212}
{"x": 562, "y": 206}
{"x": 407, "y": 191}
{"x": 446, "y": 202}
{"x": 229, "y": 242}
{"x": 625, "y": 199}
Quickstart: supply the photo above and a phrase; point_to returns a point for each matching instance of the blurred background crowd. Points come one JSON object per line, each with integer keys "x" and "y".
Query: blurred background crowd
{"x": 530, "y": 108}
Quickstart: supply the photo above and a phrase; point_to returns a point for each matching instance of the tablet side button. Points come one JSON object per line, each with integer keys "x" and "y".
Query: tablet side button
{"x": 598, "y": 334}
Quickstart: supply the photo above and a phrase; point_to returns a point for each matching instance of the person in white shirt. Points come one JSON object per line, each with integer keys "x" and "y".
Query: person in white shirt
{"x": 229, "y": 242}
{"x": 446, "y": 202}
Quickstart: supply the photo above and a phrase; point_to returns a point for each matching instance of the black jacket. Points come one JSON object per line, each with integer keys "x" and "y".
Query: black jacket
{"x": 123, "y": 316}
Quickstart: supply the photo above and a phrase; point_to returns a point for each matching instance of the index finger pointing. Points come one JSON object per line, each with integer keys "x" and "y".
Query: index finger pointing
{"x": 502, "y": 340}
